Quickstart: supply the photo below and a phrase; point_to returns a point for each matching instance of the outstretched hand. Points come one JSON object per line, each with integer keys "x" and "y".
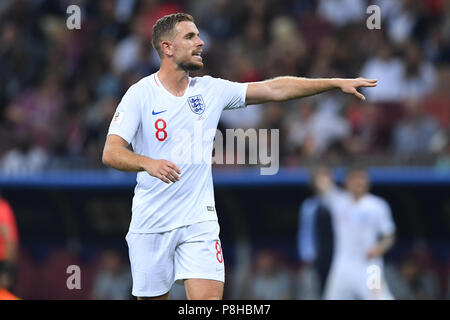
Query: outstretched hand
{"x": 350, "y": 86}
{"x": 374, "y": 253}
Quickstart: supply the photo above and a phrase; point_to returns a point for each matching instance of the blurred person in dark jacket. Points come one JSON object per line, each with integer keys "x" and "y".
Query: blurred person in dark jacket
{"x": 315, "y": 234}
{"x": 415, "y": 133}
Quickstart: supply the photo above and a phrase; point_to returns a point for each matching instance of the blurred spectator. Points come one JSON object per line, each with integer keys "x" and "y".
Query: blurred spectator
{"x": 415, "y": 279}
{"x": 328, "y": 123}
{"x": 51, "y": 76}
{"x": 438, "y": 102}
{"x": 443, "y": 160}
{"x": 301, "y": 134}
{"x": 365, "y": 120}
{"x": 269, "y": 280}
{"x": 36, "y": 112}
{"x": 402, "y": 18}
{"x": 316, "y": 129}
{"x": 127, "y": 51}
{"x": 24, "y": 158}
{"x": 113, "y": 280}
{"x": 418, "y": 76}
{"x": 152, "y": 10}
{"x": 414, "y": 135}
{"x": 124, "y": 10}
{"x": 286, "y": 53}
{"x": 97, "y": 120}
{"x": 388, "y": 69}
{"x": 342, "y": 12}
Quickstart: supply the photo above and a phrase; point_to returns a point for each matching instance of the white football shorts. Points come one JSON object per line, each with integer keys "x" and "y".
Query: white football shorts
{"x": 189, "y": 252}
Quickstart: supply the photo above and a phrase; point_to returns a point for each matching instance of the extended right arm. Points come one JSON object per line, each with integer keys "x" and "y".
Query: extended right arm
{"x": 287, "y": 88}
{"x": 117, "y": 155}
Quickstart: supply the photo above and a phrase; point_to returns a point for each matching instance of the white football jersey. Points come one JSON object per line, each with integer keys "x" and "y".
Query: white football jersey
{"x": 160, "y": 125}
{"x": 357, "y": 226}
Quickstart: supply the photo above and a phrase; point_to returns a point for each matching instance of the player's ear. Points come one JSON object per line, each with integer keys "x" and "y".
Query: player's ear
{"x": 166, "y": 48}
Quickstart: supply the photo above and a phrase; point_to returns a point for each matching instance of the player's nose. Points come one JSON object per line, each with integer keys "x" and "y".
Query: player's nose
{"x": 200, "y": 42}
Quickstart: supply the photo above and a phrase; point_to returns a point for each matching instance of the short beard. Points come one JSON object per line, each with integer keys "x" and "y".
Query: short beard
{"x": 190, "y": 66}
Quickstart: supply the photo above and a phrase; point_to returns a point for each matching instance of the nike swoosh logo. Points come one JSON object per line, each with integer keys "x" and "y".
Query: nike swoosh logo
{"x": 155, "y": 113}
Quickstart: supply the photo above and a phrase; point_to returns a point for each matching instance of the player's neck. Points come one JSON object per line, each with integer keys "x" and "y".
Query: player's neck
{"x": 357, "y": 196}
{"x": 174, "y": 79}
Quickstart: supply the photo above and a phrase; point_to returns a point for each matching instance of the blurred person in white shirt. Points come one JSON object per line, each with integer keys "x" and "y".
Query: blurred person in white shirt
{"x": 363, "y": 233}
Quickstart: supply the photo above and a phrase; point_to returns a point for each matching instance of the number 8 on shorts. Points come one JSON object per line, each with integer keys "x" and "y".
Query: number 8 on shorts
{"x": 219, "y": 252}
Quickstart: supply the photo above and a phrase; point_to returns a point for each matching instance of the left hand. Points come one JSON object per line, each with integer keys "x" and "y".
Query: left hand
{"x": 374, "y": 253}
{"x": 350, "y": 86}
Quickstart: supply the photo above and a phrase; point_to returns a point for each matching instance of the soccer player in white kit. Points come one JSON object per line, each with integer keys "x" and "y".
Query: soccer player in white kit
{"x": 363, "y": 233}
{"x": 174, "y": 232}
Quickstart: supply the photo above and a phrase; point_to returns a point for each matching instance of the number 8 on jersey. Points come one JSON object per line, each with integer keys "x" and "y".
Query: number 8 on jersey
{"x": 160, "y": 126}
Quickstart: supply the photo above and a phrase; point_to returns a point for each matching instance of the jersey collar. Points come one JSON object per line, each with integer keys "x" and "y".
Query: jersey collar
{"x": 160, "y": 86}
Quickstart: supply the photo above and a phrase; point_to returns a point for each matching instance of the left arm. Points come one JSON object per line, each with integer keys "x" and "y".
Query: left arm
{"x": 386, "y": 228}
{"x": 287, "y": 88}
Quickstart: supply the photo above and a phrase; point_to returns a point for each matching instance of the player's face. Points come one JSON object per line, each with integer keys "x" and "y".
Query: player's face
{"x": 358, "y": 183}
{"x": 187, "y": 46}
{"x": 322, "y": 179}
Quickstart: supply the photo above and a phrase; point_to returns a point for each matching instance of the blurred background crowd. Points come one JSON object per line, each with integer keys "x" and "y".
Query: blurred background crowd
{"x": 60, "y": 87}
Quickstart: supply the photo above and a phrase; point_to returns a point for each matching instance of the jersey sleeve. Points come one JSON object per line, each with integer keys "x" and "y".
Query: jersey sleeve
{"x": 233, "y": 93}
{"x": 127, "y": 118}
{"x": 306, "y": 230}
{"x": 385, "y": 223}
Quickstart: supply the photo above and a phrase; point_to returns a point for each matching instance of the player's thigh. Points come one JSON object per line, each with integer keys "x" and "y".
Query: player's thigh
{"x": 203, "y": 289}
{"x": 152, "y": 263}
{"x": 338, "y": 286}
{"x": 199, "y": 261}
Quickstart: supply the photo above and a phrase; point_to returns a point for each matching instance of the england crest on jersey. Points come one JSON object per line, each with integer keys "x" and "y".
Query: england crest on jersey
{"x": 196, "y": 103}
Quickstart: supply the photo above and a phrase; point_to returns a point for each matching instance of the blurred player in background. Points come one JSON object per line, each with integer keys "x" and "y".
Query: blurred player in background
{"x": 315, "y": 234}
{"x": 174, "y": 233}
{"x": 8, "y": 249}
{"x": 364, "y": 232}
